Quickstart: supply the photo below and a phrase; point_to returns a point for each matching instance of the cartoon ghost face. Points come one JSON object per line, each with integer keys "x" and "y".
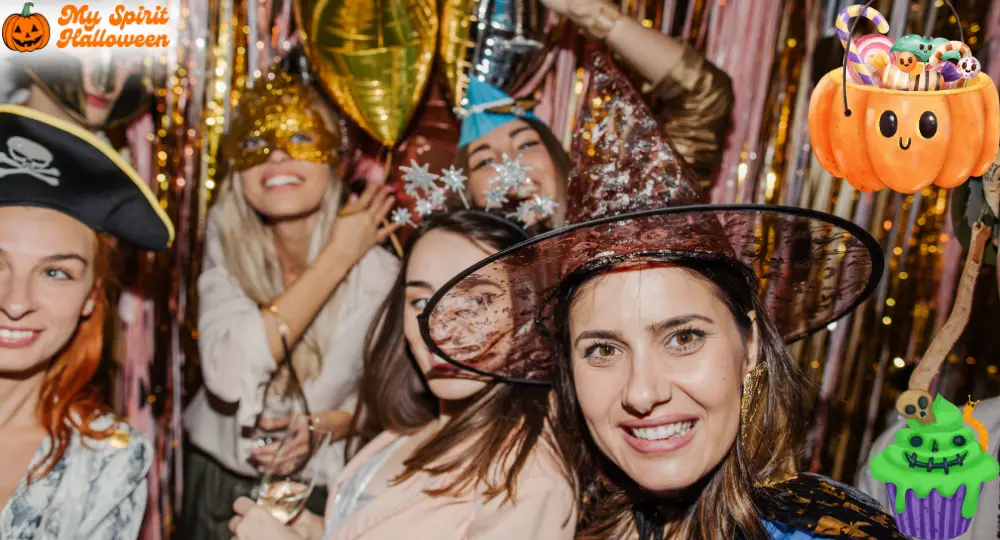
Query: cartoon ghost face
{"x": 969, "y": 67}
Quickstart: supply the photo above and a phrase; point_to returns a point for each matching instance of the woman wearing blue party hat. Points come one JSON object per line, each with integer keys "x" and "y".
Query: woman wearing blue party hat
{"x": 694, "y": 100}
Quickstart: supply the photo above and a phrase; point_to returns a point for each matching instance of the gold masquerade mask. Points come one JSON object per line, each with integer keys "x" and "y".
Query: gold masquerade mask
{"x": 277, "y": 114}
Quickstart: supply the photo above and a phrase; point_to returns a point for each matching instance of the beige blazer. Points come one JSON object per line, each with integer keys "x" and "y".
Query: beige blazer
{"x": 544, "y": 507}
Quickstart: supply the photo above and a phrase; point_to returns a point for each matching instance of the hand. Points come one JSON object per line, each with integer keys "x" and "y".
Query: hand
{"x": 253, "y": 522}
{"x": 358, "y": 226}
{"x": 338, "y": 421}
{"x": 293, "y": 456}
{"x": 571, "y": 8}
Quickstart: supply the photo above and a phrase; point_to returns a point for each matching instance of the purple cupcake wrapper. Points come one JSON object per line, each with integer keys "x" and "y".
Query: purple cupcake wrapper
{"x": 933, "y": 517}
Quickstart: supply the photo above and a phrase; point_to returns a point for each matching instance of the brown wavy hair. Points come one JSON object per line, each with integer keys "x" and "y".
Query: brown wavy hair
{"x": 68, "y": 403}
{"x": 727, "y": 502}
{"x": 501, "y": 427}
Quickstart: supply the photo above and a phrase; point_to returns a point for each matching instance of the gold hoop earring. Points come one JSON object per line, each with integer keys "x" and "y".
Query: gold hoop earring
{"x": 752, "y": 383}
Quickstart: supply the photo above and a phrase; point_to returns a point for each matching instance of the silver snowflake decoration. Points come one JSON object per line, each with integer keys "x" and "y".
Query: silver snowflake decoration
{"x": 512, "y": 174}
{"x": 424, "y": 207}
{"x": 436, "y": 198}
{"x": 496, "y": 197}
{"x": 419, "y": 177}
{"x": 543, "y": 206}
{"x": 453, "y": 179}
{"x": 402, "y": 216}
{"x": 525, "y": 213}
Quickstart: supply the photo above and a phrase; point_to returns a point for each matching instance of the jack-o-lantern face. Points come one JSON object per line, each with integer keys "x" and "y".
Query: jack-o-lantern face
{"x": 25, "y": 31}
{"x": 904, "y": 140}
{"x": 906, "y": 62}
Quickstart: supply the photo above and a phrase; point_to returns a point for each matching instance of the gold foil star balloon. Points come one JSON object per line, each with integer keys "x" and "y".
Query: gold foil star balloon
{"x": 373, "y": 56}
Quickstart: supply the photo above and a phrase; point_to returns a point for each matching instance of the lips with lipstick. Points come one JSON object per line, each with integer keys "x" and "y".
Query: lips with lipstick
{"x": 659, "y": 435}
{"x": 17, "y": 337}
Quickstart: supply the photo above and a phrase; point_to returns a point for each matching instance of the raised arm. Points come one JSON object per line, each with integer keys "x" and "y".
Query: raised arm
{"x": 240, "y": 341}
{"x": 694, "y": 98}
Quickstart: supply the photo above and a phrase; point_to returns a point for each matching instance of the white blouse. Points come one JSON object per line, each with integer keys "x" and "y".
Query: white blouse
{"x": 236, "y": 360}
{"x": 96, "y": 491}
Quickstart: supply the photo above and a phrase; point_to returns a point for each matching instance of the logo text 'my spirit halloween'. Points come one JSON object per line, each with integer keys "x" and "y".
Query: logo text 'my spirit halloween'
{"x": 83, "y": 28}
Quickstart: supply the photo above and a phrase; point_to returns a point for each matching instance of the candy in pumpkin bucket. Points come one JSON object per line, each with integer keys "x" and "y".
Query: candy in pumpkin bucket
{"x": 905, "y": 140}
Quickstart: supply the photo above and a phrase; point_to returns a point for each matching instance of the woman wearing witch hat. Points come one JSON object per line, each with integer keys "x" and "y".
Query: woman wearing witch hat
{"x": 662, "y": 324}
{"x": 71, "y": 470}
{"x": 694, "y": 100}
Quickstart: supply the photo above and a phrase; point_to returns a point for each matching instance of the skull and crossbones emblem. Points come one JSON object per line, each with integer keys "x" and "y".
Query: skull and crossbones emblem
{"x": 24, "y": 156}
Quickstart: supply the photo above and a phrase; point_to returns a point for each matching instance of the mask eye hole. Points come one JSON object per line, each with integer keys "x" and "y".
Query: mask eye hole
{"x": 959, "y": 441}
{"x": 887, "y": 124}
{"x": 916, "y": 441}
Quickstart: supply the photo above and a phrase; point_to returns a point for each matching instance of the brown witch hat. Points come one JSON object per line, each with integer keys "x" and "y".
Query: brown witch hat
{"x": 631, "y": 197}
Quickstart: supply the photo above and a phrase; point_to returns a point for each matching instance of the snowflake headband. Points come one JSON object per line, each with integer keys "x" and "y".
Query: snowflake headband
{"x": 431, "y": 196}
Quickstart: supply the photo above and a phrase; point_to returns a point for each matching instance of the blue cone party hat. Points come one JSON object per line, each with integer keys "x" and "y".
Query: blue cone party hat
{"x": 486, "y": 109}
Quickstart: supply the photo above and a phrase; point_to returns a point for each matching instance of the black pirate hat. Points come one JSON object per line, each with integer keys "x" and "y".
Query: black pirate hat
{"x": 50, "y": 163}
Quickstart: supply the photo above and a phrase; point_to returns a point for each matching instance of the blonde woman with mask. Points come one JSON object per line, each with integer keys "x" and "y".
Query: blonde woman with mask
{"x": 284, "y": 264}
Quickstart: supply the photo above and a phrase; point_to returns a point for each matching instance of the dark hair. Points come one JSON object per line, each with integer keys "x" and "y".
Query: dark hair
{"x": 727, "y": 502}
{"x": 502, "y": 425}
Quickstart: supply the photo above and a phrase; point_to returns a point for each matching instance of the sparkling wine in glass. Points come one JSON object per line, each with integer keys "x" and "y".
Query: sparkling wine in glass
{"x": 282, "y": 400}
{"x": 283, "y": 489}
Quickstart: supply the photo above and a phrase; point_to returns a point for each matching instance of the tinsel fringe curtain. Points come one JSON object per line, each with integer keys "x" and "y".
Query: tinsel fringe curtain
{"x": 772, "y": 49}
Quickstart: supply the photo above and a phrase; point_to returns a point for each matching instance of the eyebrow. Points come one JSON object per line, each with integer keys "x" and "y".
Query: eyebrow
{"x": 517, "y": 131}
{"x": 598, "y": 334}
{"x": 59, "y": 257}
{"x": 415, "y": 283}
{"x": 674, "y": 322}
{"x": 479, "y": 148}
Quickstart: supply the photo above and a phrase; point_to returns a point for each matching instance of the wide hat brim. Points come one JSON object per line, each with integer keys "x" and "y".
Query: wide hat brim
{"x": 49, "y": 163}
{"x": 495, "y": 318}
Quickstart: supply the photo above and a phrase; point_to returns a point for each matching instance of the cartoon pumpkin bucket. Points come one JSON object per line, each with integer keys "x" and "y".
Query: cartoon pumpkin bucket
{"x": 878, "y": 133}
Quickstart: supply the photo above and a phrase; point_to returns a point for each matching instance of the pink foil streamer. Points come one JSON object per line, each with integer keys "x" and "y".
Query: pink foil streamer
{"x": 137, "y": 343}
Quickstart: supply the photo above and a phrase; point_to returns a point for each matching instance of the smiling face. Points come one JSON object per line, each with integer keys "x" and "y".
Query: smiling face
{"x": 515, "y": 138}
{"x": 906, "y": 62}
{"x": 657, "y": 362}
{"x": 285, "y": 188}
{"x": 909, "y": 137}
{"x": 427, "y": 271}
{"x": 46, "y": 284}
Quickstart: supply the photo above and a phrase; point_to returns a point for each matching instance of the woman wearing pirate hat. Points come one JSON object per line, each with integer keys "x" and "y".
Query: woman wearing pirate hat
{"x": 71, "y": 470}
{"x": 693, "y": 103}
{"x": 662, "y": 324}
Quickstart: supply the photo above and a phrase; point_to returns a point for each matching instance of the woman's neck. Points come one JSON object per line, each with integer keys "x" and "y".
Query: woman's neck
{"x": 292, "y": 241}
{"x": 448, "y": 409}
{"x": 19, "y": 395}
{"x": 42, "y": 101}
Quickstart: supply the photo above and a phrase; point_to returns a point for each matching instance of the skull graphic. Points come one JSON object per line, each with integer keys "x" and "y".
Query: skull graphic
{"x": 25, "y": 156}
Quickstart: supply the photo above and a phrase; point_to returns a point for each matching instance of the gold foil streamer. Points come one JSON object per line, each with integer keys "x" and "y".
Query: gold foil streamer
{"x": 373, "y": 56}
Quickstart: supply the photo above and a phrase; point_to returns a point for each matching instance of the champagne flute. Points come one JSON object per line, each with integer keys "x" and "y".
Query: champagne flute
{"x": 284, "y": 490}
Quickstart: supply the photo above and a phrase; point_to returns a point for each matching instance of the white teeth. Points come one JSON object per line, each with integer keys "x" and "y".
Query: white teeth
{"x": 666, "y": 431}
{"x": 7, "y": 334}
{"x": 281, "y": 180}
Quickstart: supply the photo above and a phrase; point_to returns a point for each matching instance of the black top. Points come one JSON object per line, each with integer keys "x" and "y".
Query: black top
{"x": 50, "y": 163}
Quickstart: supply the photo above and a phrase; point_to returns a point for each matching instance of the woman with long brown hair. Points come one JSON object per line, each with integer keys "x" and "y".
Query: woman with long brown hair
{"x": 461, "y": 455}
{"x": 71, "y": 469}
{"x": 662, "y": 323}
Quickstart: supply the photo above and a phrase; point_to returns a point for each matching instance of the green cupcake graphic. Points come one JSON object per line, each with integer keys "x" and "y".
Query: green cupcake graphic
{"x": 934, "y": 474}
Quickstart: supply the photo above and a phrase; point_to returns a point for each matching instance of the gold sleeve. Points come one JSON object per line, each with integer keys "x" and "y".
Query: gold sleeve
{"x": 694, "y": 102}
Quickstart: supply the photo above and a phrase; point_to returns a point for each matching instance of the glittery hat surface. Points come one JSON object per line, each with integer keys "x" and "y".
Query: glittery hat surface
{"x": 631, "y": 197}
